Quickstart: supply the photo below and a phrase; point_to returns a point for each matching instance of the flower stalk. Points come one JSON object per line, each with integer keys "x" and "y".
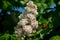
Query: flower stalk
{"x": 28, "y": 23}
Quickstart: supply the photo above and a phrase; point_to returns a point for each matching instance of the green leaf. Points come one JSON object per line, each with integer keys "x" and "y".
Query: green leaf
{"x": 55, "y": 38}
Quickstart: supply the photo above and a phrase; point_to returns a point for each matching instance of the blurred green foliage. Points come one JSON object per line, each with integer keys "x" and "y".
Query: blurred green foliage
{"x": 49, "y": 25}
{"x": 55, "y": 38}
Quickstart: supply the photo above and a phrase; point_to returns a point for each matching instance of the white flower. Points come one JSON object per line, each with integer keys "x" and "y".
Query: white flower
{"x": 18, "y": 32}
{"x": 32, "y": 10}
{"x": 23, "y": 22}
{"x": 20, "y": 16}
{"x": 27, "y": 28}
{"x": 34, "y": 31}
{"x": 27, "y": 24}
{"x": 27, "y": 9}
{"x": 34, "y": 24}
{"x": 35, "y": 6}
{"x": 35, "y": 12}
{"x": 30, "y": 3}
{"x": 31, "y": 16}
{"x": 30, "y": 7}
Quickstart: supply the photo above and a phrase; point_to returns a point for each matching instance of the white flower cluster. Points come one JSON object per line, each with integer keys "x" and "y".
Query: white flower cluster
{"x": 27, "y": 23}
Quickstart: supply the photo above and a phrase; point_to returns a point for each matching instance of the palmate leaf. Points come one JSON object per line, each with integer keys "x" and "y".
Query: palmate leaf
{"x": 8, "y": 37}
{"x": 6, "y": 4}
{"x": 4, "y": 37}
{"x": 55, "y": 38}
